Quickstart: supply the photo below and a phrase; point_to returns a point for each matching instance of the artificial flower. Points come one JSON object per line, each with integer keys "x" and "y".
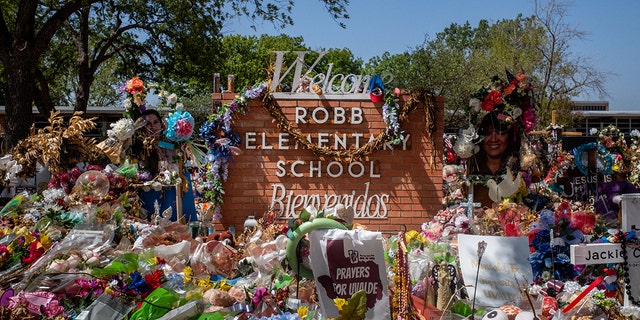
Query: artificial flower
{"x": 134, "y": 86}
{"x": 180, "y": 126}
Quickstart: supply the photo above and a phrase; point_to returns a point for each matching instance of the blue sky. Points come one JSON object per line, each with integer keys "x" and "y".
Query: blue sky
{"x": 376, "y": 26}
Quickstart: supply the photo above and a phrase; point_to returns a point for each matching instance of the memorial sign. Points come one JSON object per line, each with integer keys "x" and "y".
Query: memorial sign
{"x": 503, "y": 269}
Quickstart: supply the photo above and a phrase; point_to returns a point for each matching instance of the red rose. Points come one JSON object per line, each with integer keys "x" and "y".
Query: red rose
{"x": 511, "y": 87}
{"x": 493, "y": 98}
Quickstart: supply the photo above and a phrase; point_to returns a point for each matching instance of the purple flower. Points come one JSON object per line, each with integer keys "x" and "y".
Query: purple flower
{"x": 261, "y": 293}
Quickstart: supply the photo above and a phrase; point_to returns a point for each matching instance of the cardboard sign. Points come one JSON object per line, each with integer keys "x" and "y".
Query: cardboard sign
{"x": 504, "y": 269}
{"x": 345, "y": 262}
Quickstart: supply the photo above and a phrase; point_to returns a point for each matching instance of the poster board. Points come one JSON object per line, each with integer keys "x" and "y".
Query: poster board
{"x": 345, "y": 262}
{"x": 504, "y": 269}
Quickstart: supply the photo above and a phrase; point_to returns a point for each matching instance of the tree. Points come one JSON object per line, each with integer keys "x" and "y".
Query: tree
{"x": 461, "y": 59}
{"x": 20, "y": 51}
{"x": 153, "y": 27}
{"x": 562, "y": 74}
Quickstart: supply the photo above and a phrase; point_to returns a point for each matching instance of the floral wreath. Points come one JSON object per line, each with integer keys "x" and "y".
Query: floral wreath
{"x": 604, "y": 158}
{"x": 512, "y": 100}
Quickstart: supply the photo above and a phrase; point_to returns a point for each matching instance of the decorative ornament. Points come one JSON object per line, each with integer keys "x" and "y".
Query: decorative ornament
{"x": 91, "y": 183}
{"x": 419, "y": 96}
{"x": 179, "y": 126}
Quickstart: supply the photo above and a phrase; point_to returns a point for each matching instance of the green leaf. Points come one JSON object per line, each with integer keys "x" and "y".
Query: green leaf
{"x": 356, "y": 307}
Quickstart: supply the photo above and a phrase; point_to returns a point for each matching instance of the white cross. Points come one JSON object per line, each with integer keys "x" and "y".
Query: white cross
{"x": 470, "y": 205}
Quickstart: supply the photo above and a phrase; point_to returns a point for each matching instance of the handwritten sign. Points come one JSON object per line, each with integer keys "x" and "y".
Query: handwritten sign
{"x": 345, "y": 262}
{"x": 503, "y": 269}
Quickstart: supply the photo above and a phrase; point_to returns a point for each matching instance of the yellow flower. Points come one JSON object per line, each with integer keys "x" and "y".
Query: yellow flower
{"x": 340, "y": 303}
{"x": 302, "y": 311}
{"x": 187, "y": 271}
{"x": 45, "y": 241}
{"x": 223, "y": 285}
{"x": 205, "y": 283}
{"x": 153, "y": 261}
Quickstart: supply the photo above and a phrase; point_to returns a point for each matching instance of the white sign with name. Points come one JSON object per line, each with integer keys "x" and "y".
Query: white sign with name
{"x": 596, "y": 253}
{"x": 504, "y": 269}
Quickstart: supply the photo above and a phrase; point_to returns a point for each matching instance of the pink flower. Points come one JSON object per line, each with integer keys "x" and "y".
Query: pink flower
{"x": 528, "y": 120}
{"x": 52, "y": 308}
{"x": 261, "y": 293}
{"x": 184, "y": 128}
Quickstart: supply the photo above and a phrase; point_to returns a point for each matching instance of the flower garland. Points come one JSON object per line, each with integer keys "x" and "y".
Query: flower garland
{"x": 222, "y": 144}
{"x": 417, "y": 97}
{"x": 390, "y": 116}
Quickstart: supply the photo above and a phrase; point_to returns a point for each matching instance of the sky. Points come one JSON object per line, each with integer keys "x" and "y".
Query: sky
{"x": 612, "y": 42}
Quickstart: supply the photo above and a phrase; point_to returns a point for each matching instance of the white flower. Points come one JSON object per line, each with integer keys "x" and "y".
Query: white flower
{"x": 516, "y": 113}
{"x": 172, "y": 98}
{"x": 52, "y": 195}
{"x": 593, "y": 131}
{"x": 180, "y": 106}
{"x": 464, "y": 148}
{"x": 127, "y": 104}
{"x": 635, "y": 133}
{"x": 470, "y": 133}
{"x": 122, "y": 130}
{"x": 475, "y": 104}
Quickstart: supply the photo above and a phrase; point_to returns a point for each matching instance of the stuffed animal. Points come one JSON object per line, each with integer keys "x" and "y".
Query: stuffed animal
{"x": 451, "y": 172}
{"x": 224, "y": 236}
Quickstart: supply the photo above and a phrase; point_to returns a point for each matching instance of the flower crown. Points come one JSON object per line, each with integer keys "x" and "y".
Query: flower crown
{"x": 512, "y": 100}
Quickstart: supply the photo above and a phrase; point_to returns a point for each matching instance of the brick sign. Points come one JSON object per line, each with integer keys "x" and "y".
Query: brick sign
{"x": 398, "y": 185}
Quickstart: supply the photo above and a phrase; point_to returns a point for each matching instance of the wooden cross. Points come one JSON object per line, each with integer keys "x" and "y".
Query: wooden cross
{"x": 470, "y": 205}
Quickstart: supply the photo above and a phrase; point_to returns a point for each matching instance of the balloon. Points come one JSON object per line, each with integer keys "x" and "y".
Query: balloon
{"x": 92, "y": 183}
{"x": 299, "y": 233}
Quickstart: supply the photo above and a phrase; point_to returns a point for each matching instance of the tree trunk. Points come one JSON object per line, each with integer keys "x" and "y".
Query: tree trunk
{"x": 82, "y": 91}
{"x": 19, "y": 98}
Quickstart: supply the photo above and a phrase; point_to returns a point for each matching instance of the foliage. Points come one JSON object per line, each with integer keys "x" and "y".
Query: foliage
{"x": 458, "y": 60}
{"x": 136, "y": 35}
{"x": 249, "y": 57}
{"x": 355, "y": 308}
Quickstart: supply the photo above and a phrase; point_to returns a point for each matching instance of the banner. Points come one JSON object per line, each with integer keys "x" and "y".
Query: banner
{"x": 345, "y": 262}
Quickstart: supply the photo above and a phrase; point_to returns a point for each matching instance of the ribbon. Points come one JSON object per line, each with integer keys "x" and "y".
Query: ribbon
{"x": 582, "y": 295}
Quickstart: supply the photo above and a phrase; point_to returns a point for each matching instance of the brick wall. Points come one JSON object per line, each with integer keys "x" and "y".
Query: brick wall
{"x": 410, "y": 177}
